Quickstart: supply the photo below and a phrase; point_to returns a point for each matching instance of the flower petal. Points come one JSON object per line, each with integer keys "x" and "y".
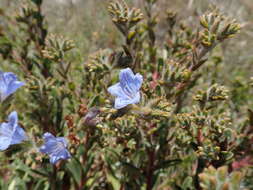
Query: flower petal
{"x": 8, "y": 84}
{"x": 123, "y": 102}
{"x": 6, "y": 131}
{"x": 49, "y": 146}
{"x": 13, "y": 86}
{"x": 5, "y": 135}
{"x": 62, "y": 155}
{"x": 3, "y": 87}
{"x": 9, "y": 77}
{"x": 138, "y": 80}
{"x": 11, "y": 132}
{"x": 18, "y": 136}
{"x": 55, "y": 147}
{"x": 62, "y": 140}
{"x": 116, "y": 90}
{"x": 48, "y": 136}
{"x": 126, "y": 78}
{"x": 13, "y": 118}
{"x": 5, "y": 142}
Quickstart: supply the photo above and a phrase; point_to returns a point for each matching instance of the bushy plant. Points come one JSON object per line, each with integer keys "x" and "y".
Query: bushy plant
{"x": 143, "y": 115}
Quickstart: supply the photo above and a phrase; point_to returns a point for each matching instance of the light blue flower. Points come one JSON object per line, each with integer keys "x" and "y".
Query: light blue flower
{"x": 55, "y": 147}
{"x": 10, "y": 132}
{"x": 127, "y": 91}
{"x": 8, "y": 84}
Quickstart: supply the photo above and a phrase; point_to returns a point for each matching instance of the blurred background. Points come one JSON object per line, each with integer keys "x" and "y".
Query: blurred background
{"x": 89, "y": 24}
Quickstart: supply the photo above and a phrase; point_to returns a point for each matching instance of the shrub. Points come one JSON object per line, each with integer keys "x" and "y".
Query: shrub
{"x": 148, "y": 114}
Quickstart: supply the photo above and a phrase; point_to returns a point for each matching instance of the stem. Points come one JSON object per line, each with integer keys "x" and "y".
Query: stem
{"x": 84, "y": 158}
{"x": 202, "y": 53}
{"x": 193, "y": 68}
{"x": 122, "y": 187}
{"x": 53, "y": 178}
{"x": 200, "y": 166}
{"x": 150, "y": 169}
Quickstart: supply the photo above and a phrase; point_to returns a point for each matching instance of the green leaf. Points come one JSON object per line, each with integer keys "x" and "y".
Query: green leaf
{"x": 114, "y": 181}
{"x": 75, "y": 168}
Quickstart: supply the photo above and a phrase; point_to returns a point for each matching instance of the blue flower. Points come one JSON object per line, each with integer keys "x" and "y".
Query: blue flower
{"x": 127, "y": 91}
{"x": 8, "y": 84}
{"x": 55, "y": 147}
{"x": 10, "y": 132}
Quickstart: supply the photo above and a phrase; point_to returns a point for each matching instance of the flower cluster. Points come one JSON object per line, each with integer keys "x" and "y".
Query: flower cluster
{"x": 127, "y": 91}
{"x": 11, "y": 133}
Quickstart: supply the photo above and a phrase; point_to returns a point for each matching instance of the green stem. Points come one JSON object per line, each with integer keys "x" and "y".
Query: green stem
{"x": 150, "y": 169}
{"x": 53, "y": 179}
